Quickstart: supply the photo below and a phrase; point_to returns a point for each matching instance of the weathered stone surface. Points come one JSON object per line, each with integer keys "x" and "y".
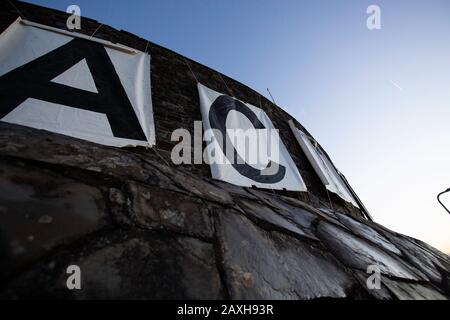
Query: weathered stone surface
{"x": 381, "y": 293}
{"x": 118, "y": 206}
{"x": 269, "y": 199}
{"x": 234, "y": 190}
{"x": 367, "y": 233}
{"x": 292, "y": 209}
{"x": 170, "y": 230}
{"x": 18, "y": 141}
{"x": 301, "y": 217}
{"x": 329, "y": 213}
{"x": 123, "y": 265}
{"x": 323, "y": 214}
{"x": 445, "y": 258}
{"x": 413, "y": 291}
{"x": 360, "y": 254}
{"x": 269, "y": 219}
{"x": 154, "y": 208}
{"x": 197, "y": 186}
{"x": 421, "y": 258}
{"x": 271, "y": 265}
{"x": 430, "y": 261}
{"x": 40, "y": 209}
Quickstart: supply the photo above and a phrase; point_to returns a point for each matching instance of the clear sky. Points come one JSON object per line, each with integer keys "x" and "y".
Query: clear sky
{"x": 377, "y": 101}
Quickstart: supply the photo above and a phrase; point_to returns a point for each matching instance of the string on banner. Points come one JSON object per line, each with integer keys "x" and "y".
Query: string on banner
{"x": 98, "y": 28}
{"x": 160, "y": 156}
{"x": 18, "y": 11}
{"x": 273, "y": 100}
{"x": 190, "y": 69}
{"x": 329, "y": 199}
{"x": 260, "y": 101}
{"x": 321, "y": 155}
{"x": 228, "y": 89}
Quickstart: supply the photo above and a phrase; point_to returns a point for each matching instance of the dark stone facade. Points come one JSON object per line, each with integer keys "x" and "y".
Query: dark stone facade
{"x": 175, "y": 97}
{"x": 142, "y": 228}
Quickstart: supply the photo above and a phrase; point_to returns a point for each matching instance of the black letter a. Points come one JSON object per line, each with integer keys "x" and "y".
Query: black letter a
{"x": 33, "y": 80}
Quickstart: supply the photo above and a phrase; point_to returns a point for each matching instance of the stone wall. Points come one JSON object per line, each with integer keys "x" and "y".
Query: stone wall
{"x": 175, "y": 97}
{"x": 141, "y": 228}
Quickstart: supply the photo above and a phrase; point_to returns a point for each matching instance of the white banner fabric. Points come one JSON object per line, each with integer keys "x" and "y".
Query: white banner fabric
{"x": 75, "y": 85}
{"x": 236, "y": 121}
{"x": 322, "y": 166}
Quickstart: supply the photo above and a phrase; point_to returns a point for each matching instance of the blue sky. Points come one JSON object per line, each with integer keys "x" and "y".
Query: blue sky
{"x": 378, "y": 101}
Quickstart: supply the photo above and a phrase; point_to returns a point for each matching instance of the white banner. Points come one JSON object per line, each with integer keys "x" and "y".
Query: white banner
{"x": 322, "y": 165}
{"x": 75, "y": 85}
{"x": 243, "y": 146}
